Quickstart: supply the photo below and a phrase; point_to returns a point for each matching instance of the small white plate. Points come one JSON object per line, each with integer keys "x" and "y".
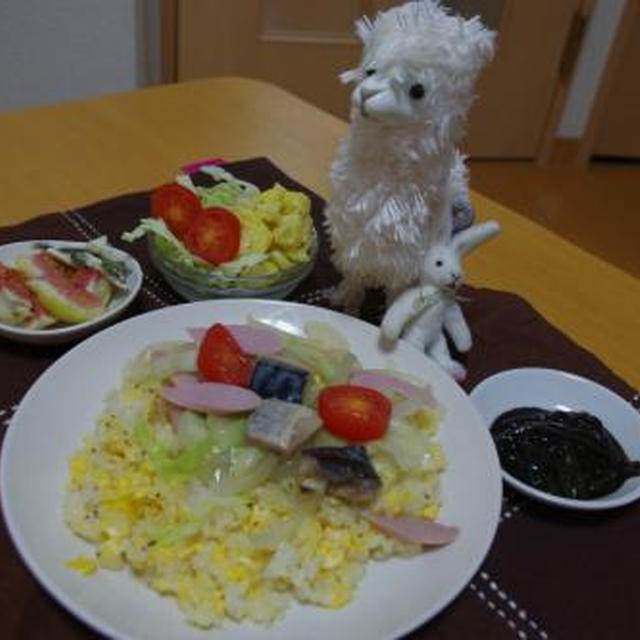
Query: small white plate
{"x": 553, "y": 389}
{"x": 57, "y": 335}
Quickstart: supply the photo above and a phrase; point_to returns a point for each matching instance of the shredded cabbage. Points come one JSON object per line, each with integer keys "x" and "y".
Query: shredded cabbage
{"x": 325, "y": 335}
{"x": 227, "y": 192}
{"x": 174, "y": 251}
{"x": 407, "y": 446}
{"x": 246, "y": 469}
{"x": 195, "y": 459}
{"x": 161, "y": 360}
{"x": 215, "y": 454}
{"x": 152, "y": 225}
{"x": 158, "y": 227}
{"x": 229, "y": 431}
{"x": 190, "y": 427}
{"x": 332, "y": 365}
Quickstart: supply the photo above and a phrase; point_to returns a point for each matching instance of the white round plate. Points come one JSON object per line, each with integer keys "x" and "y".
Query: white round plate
{"x": 394, "y": 597}
{"x": 57, "y": 335}
{"x": 553, "y": 389}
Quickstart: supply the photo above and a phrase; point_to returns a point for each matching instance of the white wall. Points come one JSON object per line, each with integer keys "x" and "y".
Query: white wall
{"x": 53, "y": 50}
{"x": 597, "y": 41}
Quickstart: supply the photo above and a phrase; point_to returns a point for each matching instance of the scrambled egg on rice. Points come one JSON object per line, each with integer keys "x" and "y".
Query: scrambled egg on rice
{"x": 242, "y": 556}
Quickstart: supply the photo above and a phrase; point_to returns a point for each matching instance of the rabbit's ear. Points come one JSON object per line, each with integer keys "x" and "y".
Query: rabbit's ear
{"x": 470, "y": 238}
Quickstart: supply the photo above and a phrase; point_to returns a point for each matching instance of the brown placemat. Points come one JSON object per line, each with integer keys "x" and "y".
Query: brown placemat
{"x": 549, "y": 574}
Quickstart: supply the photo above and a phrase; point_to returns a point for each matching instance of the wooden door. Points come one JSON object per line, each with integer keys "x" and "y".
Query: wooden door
{"x": 616, "y": 131}
{"x": 303, "y": 46}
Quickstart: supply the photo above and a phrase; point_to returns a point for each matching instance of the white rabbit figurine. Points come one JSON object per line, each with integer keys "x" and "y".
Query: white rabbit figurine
{"x": 423, "y": 313}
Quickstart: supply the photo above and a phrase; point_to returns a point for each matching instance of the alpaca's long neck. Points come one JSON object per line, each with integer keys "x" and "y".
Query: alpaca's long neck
{"x": 410, "y": 151}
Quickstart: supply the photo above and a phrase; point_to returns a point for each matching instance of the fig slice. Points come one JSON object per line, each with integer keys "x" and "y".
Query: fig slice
{"x": 68, "y": 294}
{"x": 18, "y": 305}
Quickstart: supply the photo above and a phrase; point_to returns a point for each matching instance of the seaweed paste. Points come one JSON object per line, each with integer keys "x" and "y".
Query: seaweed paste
{"x": 566, "y": 453}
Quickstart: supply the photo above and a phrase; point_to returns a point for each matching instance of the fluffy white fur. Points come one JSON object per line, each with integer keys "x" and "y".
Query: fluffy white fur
{"x": 398, "y": 165}
{"x": 423, "y": 313}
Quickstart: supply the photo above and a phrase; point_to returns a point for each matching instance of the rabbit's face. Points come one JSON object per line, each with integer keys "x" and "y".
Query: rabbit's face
{"x": 442, "y": 268}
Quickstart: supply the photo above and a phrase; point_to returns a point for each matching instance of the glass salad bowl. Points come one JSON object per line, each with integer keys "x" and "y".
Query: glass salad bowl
{"x": 202, "y": 282}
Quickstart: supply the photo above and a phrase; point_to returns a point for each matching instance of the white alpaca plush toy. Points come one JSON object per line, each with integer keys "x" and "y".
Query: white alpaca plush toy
{"x": 398, "y": 164}
{"x": 422, "y": 314}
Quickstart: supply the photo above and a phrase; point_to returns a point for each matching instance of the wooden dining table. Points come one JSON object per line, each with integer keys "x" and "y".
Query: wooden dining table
{"x": 68, "y": 155}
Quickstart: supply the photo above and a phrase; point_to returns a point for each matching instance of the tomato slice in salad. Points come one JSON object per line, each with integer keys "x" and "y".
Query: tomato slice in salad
{"x": 354, "y": 413}
{"x": 220, "y": 358}
{"x": 214, "y": 235}
{"x": 177, "y": 206}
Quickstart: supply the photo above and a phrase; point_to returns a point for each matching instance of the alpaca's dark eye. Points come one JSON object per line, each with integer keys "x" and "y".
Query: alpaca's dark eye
{"x": 369, "y": 72}
{"x": 438, "y": 263}
{"x": 416, "y": 91}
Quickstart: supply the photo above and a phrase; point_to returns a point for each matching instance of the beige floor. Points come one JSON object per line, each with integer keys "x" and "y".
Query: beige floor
{"x": 597, "y": 208}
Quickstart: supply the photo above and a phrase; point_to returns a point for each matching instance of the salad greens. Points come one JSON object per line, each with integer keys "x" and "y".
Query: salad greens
{"x": 173, "y": 251}
{"x": 276, "y": 230}
{"x": 227, "y": 191}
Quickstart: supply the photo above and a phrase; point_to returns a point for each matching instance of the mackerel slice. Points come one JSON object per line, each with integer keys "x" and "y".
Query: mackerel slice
{"x": 282, "y": 426}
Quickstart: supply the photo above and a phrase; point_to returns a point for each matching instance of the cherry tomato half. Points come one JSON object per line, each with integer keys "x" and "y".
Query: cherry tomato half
{"x": 177, "y": 206}
{"x": 214, "y": 235}
{"x": 220, "y": 358}
{"x": 354, "y": 413}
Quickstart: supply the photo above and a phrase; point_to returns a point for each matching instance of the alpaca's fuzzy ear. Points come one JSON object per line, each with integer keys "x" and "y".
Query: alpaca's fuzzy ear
{"x": 352, "y": 75}
{"x": 364, "y": 29}
{"x": 481, "y": 42}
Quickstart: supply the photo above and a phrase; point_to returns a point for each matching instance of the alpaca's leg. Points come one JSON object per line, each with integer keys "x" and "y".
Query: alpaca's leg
{"x": 439, "y": 351}
{"x": 349, "y": 295}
